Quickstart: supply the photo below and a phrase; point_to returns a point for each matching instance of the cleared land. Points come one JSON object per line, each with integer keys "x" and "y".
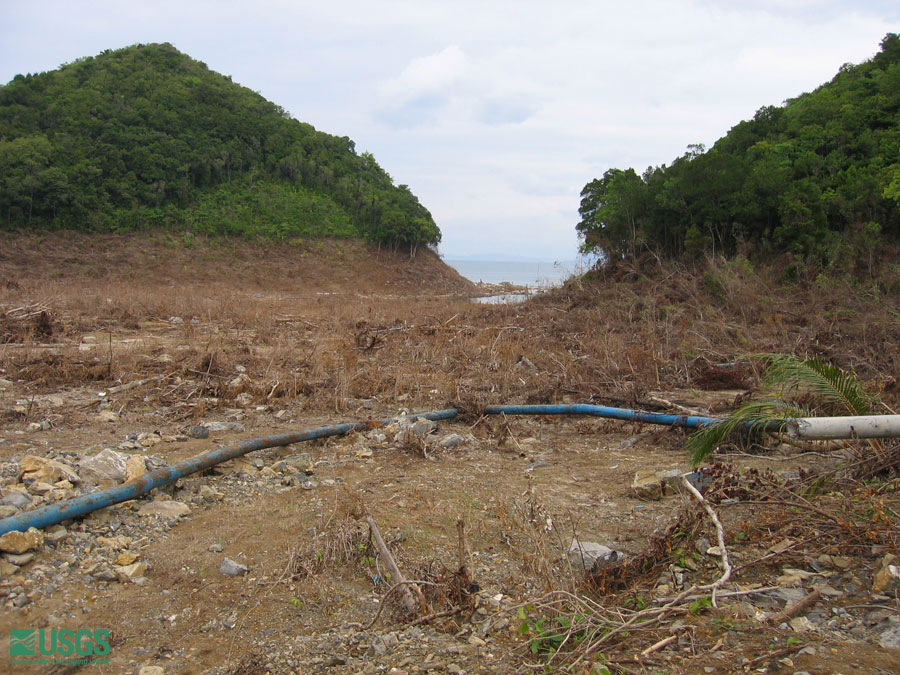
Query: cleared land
{"x": 276, "y": 339}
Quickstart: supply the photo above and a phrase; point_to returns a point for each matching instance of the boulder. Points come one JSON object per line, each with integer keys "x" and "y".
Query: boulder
{"x": 21, "y": 542}
{"x": 589, "y": 556}
{"x": 107, "y": 465}
{"x": 224, "y": 426}
{"x": 165, "y": 508}
{"x": 131, "y": 571}
{"x": 647, "y": 485}
{"x": 232, "y": 569}
{"x": 135, "y": 467}
{"x": 33, "y": 468}
{"x": 20, "y": 500}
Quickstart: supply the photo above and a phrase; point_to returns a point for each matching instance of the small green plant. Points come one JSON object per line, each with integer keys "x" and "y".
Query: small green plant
{"x": 699, "y": 605}
{"x": 547, "y": 635}
{"x": 297, "y": 602}
{"x": 791, "y": 641}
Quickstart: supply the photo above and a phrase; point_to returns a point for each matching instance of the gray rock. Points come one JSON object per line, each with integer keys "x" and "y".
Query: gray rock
{"x": 590, "y": 556}
{"x": 19, "y": 559}
{"x": 165, "y": 508}
{"x": 20, "y": 500}
{"x": 890, "y": 639}
{"x": 647, "y": 485}
{"x": 198, "y": 431}
{"x": 106, "y": 465}
{"x": 452, "y": 441}
{"x": 224, "y": 426}
{"x": 232, "y": 568}
{"x": 671, "y": 480}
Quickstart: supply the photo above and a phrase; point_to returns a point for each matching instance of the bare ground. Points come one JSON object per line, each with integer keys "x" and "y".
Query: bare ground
{"x": 334, "y": 332}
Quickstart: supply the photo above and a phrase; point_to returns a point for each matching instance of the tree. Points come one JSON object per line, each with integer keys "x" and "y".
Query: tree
{"x": 612, "y": 209}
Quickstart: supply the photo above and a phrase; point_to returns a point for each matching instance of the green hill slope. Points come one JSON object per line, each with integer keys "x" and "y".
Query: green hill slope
{"x": 147, "y": 137}
{"x": 818, "y": 178}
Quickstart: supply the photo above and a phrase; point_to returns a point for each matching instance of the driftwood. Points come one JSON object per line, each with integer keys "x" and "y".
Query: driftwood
{"x": 797, "y": 608}
{"x": 136, "y": 383}
{"x": 409, "y": 602}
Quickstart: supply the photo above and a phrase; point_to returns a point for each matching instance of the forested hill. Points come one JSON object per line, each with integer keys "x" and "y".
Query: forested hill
{"x": 146, "y": 137}
{"x": 818, "y": 177}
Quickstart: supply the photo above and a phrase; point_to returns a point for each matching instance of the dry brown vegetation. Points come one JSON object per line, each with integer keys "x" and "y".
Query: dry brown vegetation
{"x": 334, "y": 332}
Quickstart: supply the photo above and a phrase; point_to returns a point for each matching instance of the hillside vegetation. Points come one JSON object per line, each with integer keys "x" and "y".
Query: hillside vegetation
{"x": 146, "y": 137}
{"x": 817, "y": 178}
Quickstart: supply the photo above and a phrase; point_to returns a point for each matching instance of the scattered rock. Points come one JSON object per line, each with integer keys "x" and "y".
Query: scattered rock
{"x": 198, "y": 431}
{"x": 46, "y": 470}
{"x": 151, "y": 670}
{"x": 166, "y": 508}
{"x": 890, "y": 639}
{"x": 224, "y": 426}
{"x": 135, "y": 467}
{"x": 107, "y": 416}
{"x": 116, "y": 543}
{"x": 647, "y": 485}
{"x": 591, "y": 557}
{"x": 126, "y": 558}
{"x": 20, "y": 500}
{"x": 21, "y": 542}
{"x": 452, "y": 441}
{"x": 838, "y": 562}
{"x": 131, "y": 571}
{"x": 107, "y": 465}
{"x": 232, "y": 568}
{"x": 887, "y": 579}
{"x": 20, "y": 560}
{"x": 39, "y": 488}
{"x": 55, "y": 535}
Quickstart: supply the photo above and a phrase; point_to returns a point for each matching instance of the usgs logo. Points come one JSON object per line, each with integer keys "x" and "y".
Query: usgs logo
{"x": 53, "y": 643}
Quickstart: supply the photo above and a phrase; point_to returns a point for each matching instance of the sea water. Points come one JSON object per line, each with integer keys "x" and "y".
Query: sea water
{"x": 519, "y": 273}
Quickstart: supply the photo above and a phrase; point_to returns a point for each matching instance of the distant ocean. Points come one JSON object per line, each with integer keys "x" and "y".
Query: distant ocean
{"x": 533, "y": 274}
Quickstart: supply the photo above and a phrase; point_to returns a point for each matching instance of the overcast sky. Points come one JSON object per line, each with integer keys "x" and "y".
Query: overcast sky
{"x": 494, "y": 113}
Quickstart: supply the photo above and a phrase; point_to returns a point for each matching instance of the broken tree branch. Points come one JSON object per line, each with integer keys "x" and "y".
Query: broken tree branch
{"x": 720, "y": 537}
{"x": 409, "y": 602}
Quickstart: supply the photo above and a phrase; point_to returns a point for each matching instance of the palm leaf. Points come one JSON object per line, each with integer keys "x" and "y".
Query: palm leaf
{"x": 753, "y": 417}
{"x": 786, "y": 375}
{"x": 833, "y": 388}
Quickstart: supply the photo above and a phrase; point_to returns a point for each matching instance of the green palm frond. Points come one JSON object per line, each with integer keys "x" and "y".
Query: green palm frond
{"x": 831, "y": 386}
{"x": 753, "y": 417}
{"x": 786, "y": 378}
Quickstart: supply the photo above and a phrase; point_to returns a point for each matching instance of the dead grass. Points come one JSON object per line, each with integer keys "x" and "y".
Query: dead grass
{"x": 358, "y": 342}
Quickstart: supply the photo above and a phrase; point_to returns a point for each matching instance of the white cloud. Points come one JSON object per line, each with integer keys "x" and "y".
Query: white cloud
{"x": 494, "y": 113}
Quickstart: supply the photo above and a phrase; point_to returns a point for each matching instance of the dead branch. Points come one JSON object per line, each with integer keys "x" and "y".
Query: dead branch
{"x": 797, "y": 608}
{"x": 409, "y": 602}
{"x": 720, "y": 537}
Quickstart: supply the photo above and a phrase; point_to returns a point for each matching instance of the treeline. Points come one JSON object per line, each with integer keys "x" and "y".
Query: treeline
{"x": 817, "y": 178}
{"x": 147, "y": 137}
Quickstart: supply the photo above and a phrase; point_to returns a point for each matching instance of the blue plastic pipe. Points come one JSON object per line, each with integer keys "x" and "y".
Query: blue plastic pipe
{"x": 692, "y": 421}
{"x": 79, "y": 506}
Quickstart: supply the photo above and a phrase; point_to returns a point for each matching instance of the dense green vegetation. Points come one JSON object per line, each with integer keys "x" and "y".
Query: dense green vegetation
{"x": 148, "y": 137}
{"x": 817, "y": 178}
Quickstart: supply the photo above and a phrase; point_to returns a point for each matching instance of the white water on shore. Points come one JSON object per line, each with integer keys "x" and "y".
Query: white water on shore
{"x": 531, "y": 274}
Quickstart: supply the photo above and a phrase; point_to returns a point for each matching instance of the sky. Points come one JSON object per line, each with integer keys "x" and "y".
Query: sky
{"x": 496, "y": 113}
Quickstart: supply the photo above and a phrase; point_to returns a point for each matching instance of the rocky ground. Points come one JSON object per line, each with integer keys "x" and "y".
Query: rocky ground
{"x": 578, "y": 534}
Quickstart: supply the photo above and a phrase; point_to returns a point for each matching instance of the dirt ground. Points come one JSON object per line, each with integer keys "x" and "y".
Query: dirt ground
{"x": 132, "y": 343}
